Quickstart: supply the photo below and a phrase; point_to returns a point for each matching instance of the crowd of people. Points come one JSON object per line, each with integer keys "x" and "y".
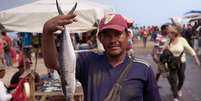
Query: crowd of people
{"x": 171, "y": 43}
{"x": 190, "y": 31}
{"x": 10, "y": 48}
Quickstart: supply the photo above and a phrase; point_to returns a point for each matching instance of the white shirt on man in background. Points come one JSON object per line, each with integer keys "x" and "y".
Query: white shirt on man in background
{"x": 4, "y": 96}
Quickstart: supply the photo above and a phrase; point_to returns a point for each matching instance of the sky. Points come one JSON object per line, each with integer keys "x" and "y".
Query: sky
{"x": 6, "y": 4}
{"x": 143, "y": 12}
{"x": 153, "y": 12}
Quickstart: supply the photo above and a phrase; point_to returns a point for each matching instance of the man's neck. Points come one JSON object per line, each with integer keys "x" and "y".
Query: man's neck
{"x": 116, "y": 60}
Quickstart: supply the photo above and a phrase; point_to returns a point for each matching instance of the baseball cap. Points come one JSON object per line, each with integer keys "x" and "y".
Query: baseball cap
{"x": 113, "y": 21}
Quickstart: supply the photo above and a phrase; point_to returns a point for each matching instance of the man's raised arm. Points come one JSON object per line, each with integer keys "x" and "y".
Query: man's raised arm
{"x": 48, "y": 43}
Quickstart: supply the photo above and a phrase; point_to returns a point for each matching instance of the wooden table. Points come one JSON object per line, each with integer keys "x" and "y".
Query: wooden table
{"x": 55, "y": 95}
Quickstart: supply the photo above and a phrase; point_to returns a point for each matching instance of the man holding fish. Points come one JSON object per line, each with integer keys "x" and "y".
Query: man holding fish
{"x": 108, "y": 76}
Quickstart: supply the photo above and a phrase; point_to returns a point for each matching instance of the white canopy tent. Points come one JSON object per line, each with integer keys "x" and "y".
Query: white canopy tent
{"x": 31, "y": 17}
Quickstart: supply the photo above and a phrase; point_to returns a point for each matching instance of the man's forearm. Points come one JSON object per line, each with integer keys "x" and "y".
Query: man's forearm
{"x": 49, "y": 50}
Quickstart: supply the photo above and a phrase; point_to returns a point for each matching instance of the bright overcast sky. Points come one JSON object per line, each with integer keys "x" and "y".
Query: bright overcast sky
{"x": 144, "y": 12}
{"x": 153, "y": 12}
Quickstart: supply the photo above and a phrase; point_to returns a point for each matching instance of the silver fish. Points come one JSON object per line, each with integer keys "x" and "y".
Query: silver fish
{"x": 67, "y": 60}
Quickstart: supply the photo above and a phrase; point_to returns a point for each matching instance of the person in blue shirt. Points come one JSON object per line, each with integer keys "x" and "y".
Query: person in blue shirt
{"x": 27, "y": 43}
{"x": 98, "y": 72}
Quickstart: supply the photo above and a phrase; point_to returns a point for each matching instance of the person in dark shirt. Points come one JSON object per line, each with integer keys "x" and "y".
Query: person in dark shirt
{"x": 24, "y": 65}
{"x": 188, "y": 34}
{"x": 98, "y": 72}
{"x": 15, "y": 78}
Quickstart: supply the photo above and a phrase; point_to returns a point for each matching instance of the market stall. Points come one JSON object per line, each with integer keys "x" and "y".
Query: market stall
{"x": 31, "y": 17}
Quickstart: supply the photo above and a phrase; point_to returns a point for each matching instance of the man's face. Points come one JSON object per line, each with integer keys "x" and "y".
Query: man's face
{"x": 114, "y": 42}
{"x": 21, "y": 69}
{"x": 165, "y": 31}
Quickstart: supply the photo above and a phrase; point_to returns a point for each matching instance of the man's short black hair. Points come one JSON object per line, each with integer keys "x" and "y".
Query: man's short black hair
{"x": 163, "y": 27}
{"x": 3, "y": 33}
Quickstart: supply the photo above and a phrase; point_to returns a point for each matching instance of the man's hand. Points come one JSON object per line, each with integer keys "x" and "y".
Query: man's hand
{"x": 197, "y": 60}
{"x": 48, "y": 42}
{"x": 57, "y": 23}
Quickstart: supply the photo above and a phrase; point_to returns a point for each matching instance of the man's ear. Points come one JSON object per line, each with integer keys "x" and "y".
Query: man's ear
{"x": 129, "y": 34}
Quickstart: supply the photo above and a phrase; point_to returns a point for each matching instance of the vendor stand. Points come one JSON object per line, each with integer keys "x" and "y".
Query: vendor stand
{"x": 18, "y": 20}
{"x": 50, "y": 90}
